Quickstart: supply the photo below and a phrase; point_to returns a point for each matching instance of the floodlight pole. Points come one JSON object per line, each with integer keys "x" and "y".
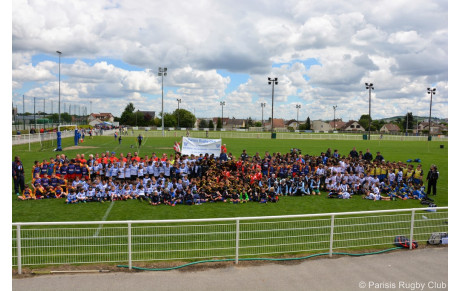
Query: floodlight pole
{"x": 272, "y": 82}
{"x": 370, "y": 87}
{"x": 298, "y": 106}
{"x": 263, "y": 105}
{"x": 335, "y": 107}
{"x": 431, "y": 92}
{"x": 178, "y": 102}
{"x": 59, "y": 105}
{"x": 162, "y": 73}
{"x": 222, "y": 103}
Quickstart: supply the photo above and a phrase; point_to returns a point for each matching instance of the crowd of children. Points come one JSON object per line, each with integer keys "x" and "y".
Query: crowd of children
{"x": 197, "y": 179}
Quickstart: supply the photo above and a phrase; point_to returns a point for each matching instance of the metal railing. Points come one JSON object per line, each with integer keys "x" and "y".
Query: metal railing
{"x": 234, "y": 238}
{"x": 282, "y": 135}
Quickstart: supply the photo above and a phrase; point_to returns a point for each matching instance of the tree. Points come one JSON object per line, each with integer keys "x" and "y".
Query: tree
{"x": 211, "y": 124}
{"x": 219, "y": 123}
{"x": 170, "y": 120}
{"x": 364, "y": 121}
{"x": 203, "y": 124}
{"x": 407, "y": 122}
{"x": 258, "y": 124}
{"x": 186, "y": 118}
{"x": 127, "y": 117}
{"x": 65, "y": 117}
{"x": 308, "y": 124}
{"x": 250, "y": 123}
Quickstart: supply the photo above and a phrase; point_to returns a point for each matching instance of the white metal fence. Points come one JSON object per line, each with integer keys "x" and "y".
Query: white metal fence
{"x": 48, "y": 136}
{"x": 234, "y": 238}
{"x": 285, "y": 135}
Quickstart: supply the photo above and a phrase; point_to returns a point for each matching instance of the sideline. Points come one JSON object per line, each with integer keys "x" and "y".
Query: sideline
{"x": 104, "y": 218}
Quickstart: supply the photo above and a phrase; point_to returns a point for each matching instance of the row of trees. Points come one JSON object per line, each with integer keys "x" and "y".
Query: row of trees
{"x": 184, "y": 118}
{"x": 133, "y": 117}
{"x": 407, "y": 122}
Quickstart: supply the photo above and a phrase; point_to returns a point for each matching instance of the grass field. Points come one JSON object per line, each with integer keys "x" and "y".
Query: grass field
{"x": 57, "y": 210}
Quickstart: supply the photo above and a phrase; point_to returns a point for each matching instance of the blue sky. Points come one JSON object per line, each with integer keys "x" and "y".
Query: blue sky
{"x": 322, "y": 54}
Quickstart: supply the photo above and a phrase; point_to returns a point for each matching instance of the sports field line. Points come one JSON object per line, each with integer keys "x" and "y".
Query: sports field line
{"x": 104, "y": 218}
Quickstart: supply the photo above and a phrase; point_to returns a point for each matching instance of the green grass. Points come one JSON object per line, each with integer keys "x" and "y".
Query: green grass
{"x": 57, "y": 210}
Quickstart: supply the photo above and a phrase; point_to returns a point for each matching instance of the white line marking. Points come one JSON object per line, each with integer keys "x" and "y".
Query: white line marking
{"x": 104, "y": 218}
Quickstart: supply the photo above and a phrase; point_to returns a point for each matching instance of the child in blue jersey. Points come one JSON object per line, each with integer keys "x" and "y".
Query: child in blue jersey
{"x": 90, "y": 194}
{"x": 155, "y": 199}
{"x": 113, "y": 194}
{"x": 272, "y": 195}
{"x": 99, "y": 195}
{"x": 72, "y": 197}
{"x": 263, "y": 196}
{"x": 139, "y": 193}
{"x": 81, "y": 196}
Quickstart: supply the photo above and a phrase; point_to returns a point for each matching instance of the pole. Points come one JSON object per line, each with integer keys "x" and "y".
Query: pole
{"x": 407, "y": 121}
{"x": 273, "y": 82}
{"x": 35, "y": 121}
{"x": 431, "y": 92}
{"x": 369, "y": 86}
{"x": 59, "y": 105}
{"x": 162, "y": 112}
{"x": 334, "y": 116}
{"x": 369, "y": 135}
{"x": 43, "y": 113}
{"x": 178, "y": 114}
{"x": 23, "y": 112}
{"x": 273, "y": 102}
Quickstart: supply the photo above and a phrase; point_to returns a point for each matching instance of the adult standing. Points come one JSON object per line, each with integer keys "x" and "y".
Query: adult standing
{"x": 139, "y": 139}
{"x": 354, "y": 153}
{"x": 368, "y": 156}
{"x": 18, "y": 175}
{"x": 432, "y": 179}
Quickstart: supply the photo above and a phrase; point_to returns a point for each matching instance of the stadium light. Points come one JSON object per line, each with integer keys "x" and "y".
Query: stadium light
{"x": 178, "y": 101}
{"x": 370, "y": 87}
{"x": 431, "y": 92}
{"x": 162, "y": 73}
{"x": 335, "y": 107}
{"x": 59, "y": 104}
{"x": 222, "y": 103}
{"x": 298, "y": 106}
{"x": 272, "y": 82}
{"x": 263, "y": 105}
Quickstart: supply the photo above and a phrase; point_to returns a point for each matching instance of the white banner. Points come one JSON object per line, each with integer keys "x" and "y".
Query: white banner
{"x": 198, "y": 146}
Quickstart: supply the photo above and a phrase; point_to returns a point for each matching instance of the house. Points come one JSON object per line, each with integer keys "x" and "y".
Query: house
{"x": 336, "y": 124}
{"x": 390, "y": 128}
{"x": 101, "y": 116}
{"x": 293, "y": 123}
{"x": 234, "y": 123}
{"x": 278, "y": 123}
{"x": 352, "y": 125}
{"x": 436, "y": 128}
{"x": 94, "y": 122}
{"x": 319, "y": 125}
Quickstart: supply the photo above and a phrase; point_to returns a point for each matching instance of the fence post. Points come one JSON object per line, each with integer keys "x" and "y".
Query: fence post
{"x": 130, "y": 261}
{"x": 412, "y": 220}
{"x": 237, "y": 243}
{"x": 331, "y": 240}
{"x": 18, "y": 245}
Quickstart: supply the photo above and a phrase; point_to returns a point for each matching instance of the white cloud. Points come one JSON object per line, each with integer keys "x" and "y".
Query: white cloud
{"x": 401, "y": 46}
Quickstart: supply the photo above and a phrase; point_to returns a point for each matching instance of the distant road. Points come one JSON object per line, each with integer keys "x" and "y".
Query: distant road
{"x": 424, "y": 269}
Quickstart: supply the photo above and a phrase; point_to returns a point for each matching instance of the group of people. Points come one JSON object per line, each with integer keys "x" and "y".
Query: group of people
{"x": 197, "y": 179}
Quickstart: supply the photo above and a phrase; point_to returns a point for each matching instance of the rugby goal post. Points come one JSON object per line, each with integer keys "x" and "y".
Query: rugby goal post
{"x": 73, "y": 127}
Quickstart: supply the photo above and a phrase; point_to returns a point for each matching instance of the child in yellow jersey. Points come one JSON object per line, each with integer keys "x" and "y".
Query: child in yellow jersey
{"x": 418, "y": 175}
{"x": 27, "y": 194}
{"x": 409, "y": 173}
